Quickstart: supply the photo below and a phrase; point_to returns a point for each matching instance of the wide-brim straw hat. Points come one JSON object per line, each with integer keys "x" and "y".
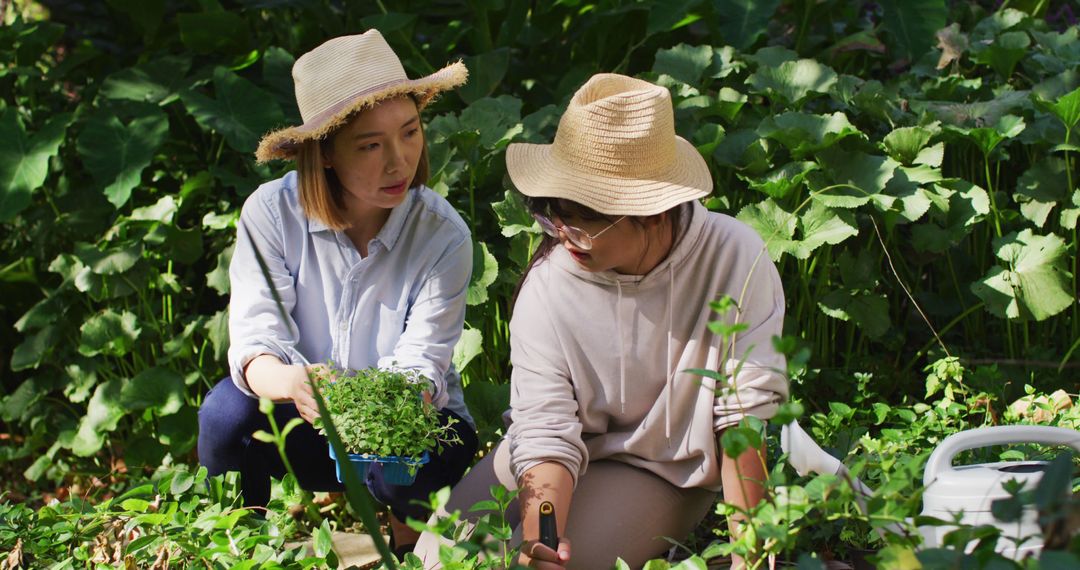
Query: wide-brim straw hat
{"x": 343, "y": 76}
{"x": 615, "y": 151}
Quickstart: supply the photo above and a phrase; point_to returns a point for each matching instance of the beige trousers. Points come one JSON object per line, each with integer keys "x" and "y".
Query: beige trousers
{"x": 618, "y": 511}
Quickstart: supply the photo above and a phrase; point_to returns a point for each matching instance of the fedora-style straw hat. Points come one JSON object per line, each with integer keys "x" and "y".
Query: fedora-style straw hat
{"x": 615, "y": 151}
{"x": 344, "y": 75}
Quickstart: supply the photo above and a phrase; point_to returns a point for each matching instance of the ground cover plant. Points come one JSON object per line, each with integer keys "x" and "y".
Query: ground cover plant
{"x": 912, "y": 164}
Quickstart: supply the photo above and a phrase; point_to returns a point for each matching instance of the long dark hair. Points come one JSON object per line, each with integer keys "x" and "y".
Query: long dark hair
{"x": 562, "y": 208}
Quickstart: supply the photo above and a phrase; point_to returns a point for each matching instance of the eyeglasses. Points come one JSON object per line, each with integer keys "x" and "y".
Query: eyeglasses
{"x": 577, "y": 236}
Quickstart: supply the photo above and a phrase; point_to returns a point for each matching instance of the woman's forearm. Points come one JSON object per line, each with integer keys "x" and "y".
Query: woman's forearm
{"x": 544, "y": 482}
{"x": 271, "y": 378}
{"x": 743, "y": 479}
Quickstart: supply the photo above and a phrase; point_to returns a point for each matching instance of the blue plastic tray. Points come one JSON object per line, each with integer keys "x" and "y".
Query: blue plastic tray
{"x": 395, "y": 470}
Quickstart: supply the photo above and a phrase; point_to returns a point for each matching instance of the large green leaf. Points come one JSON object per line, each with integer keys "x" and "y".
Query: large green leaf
{"x": 486, "y": 72}
{"x": 816, "y": 227}
{"x": 912, "y": 24}
{"x": 857, "y": 176}
{"x": 1042, "y": 187}
{"x": 905, "y": 143}
{"x": 109, "y": 333}
{"x": 804, "y": 133}
{"x": 159, "y": 388}
{"x": 485, "y": 271}
{"x": 102, "y": 414}
{"x": 116, "y": 153}
{"x": 774, "y": 224}
{"x": 513, "y": 216}
{"x": 1033, "y": 284}
{"x": 870, "y": 311}
{"x": 743, "y": 21}
{"x": 497, "y": 120}
{"x": 156, "y": 81}
{"x": 469, "y": 346}
{"x": 240, "y": 111}
{"x": 684, "y": 62}
{"x": 784, "y": 180}
{"x": 822, "y": 225}
{"x": 793, "y": 81}
{"x": 1004, "y": 52}
{"x": 24, "y": 161}
{"x": 218, "y": 277}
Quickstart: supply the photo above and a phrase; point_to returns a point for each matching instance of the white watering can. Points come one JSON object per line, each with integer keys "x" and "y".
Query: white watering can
{"x": 962, "y": 493}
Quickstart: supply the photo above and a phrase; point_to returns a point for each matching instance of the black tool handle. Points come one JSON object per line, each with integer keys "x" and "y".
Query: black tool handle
{"x": 549, "y": 532}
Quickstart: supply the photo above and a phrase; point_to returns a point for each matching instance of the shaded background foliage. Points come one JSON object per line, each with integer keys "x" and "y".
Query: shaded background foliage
{"x": 874, "y": 153}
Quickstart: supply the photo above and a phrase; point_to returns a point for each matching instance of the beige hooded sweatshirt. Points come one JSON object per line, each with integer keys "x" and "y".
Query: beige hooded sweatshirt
{"x": 600, "y": 359}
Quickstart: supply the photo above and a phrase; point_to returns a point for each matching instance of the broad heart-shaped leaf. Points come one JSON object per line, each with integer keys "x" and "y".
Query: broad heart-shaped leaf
{"x": 218, "y": 277}
{"x": 102, "y": 414}
{"x": 1066, "y": 108}
{"x": 277, "y": 76}
{"x": 685, "y": 63}
{"x": 111, "y": 261}
{"x": 669, "y": 16}
{"x": 240, "y": 111}
{"x": 743, "y": 21}
{"x": 803, "y": 133}
{"x": 1033, "y": 284}
{"x": 977, "y": 114}
{"x": 159, "y": 388}
{"x": 774, "y": 224}
{"x": 912, "y": 24}
{"x": 24, "y": 161}
{"x": 818, "y": 226}
{"x": 957, "y": 205}
{"x": 468, "y": 347}
{"x": 1004, "y": 52}
{"x": 485, "y": 271}
{"x": 853, "y": 177}
{"x": 116, "y": 153}
{"x": 486, "y": 72}
{"x": 109, "y": 333}
{"x": 1070, "y": 215}
{"x": 870, "y": 311}
{"x": 155, "y": 81}
{"x": 1041, "y": 188}
{"x": 904, "y": 144}
{"x": 513, "y": 215}
{"x": 497, "y": 120}
{"x": 988, "y": 138}
{"x": 784, "y": 180}
{"x": 793, "y": 81}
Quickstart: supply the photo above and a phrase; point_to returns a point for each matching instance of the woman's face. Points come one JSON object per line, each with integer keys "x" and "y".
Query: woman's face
{"x": 623, "y": 247}
{"x": 375, "y": 154}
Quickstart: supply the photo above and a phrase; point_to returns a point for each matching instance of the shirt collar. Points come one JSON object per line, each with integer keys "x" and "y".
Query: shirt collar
{"x": 390, "y": 231}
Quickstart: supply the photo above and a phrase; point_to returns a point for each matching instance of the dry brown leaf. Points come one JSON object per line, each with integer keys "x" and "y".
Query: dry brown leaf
{"x": 952, "y": 43}
{"x": 14, "y": 559}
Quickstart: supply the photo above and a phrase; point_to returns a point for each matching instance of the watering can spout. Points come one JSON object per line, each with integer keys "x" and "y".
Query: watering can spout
{"x": 806, "y": 456}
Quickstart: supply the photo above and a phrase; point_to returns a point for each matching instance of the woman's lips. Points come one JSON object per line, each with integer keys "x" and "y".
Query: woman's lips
{"x": 579, "y": 256}
{"x": 397, "y": 188}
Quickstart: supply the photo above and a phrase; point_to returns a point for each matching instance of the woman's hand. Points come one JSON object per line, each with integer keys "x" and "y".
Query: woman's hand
{"x": 300, "y": 388}
{"x": 536, "y": 555}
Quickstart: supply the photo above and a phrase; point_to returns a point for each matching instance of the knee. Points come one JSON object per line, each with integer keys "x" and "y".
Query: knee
{"x": 225, "y": 426}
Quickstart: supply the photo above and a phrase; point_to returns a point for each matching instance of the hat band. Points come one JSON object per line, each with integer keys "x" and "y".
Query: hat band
{"x": 315, "y": 122}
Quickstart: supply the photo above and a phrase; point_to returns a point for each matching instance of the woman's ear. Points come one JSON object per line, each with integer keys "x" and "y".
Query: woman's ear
{"x": 656, "y": 220}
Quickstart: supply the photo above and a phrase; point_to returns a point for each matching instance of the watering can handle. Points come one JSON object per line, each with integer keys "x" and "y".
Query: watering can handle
{"x": 942, "y": 457}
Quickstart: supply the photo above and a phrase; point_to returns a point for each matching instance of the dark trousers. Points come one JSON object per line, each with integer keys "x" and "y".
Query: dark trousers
{"x": 228, "y": 417}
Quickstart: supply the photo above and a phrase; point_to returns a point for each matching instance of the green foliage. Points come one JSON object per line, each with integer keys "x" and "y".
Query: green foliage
{"x": 382, "y": 412}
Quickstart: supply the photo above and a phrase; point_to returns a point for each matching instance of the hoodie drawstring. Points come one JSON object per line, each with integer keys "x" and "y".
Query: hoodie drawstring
{"x": 670, "y": 372}
{"x": 622, "y": 357}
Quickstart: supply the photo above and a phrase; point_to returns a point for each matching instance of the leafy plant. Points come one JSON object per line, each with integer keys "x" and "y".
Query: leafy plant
{"x": 382, "y": 412}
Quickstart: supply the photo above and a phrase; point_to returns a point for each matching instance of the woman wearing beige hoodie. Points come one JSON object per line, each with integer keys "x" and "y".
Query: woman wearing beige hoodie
{"x": 608, "y": 424}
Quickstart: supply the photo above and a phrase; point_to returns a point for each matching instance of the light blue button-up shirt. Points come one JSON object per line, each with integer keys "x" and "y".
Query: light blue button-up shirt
{"x": 402, "y": 306}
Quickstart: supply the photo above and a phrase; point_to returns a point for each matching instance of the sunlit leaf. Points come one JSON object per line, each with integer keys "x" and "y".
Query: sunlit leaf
{"x": 854, "y": 177}
{"x": 110, "y": 333}
{"x": 513, "y": 216}
{"x": 1041, "y": 188}
{"x": 1033, "y": 284}
{"x": 469, "y": 346}
{"x": 905, "y": 143}
{"x": 793, "y": 81}
{"x": 24, "y": 160}
{"x": 775, "y": 225}
{"x": 156, "y": 81}
{"x": 822, "y": 225}
{"x": 784, "y": 180}
{"x": 497, "y": 120}
{"x": 158, "y": 387}
{"x": 684, "y": 62}
{"x": 485, "y": 271}
{"x": 1004, "y": 52}
{"x": 804, "y": 133}
{"x": 102, "y": 414}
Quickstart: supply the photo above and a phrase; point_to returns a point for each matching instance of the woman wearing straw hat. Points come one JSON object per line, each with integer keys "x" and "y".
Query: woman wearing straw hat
{"x": 610, "y": 424}
{"x": 370, "y": 265}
